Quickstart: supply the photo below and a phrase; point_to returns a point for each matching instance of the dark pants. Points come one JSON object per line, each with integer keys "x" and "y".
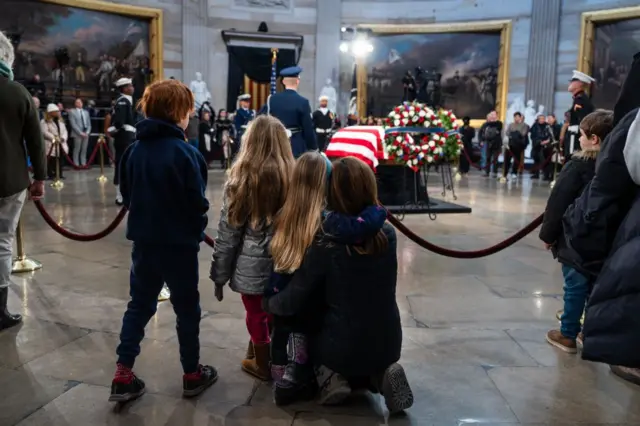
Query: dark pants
{"x": 321, "y": 138}
{"x": 548, "y": 169}
{"x": 464, "y": 164}
{"x": 512, "y": 159}
{"x": 152, "y": 266}
{"x": 120, "y": 146}
{"x": 52, "y": 166}
{"x": 493, "y": 152}
{"x": 536, "y": 156}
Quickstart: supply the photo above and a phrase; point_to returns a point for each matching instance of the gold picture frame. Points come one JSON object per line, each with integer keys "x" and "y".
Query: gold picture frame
{"x": 156, "y": 51}
{"x": 504, "y": 27}
{"x": 588, "y": 27}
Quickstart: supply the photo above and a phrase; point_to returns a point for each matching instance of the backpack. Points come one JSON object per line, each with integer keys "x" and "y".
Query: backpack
{"x": 517, "y": 139}
{"x": 491, "y": 133}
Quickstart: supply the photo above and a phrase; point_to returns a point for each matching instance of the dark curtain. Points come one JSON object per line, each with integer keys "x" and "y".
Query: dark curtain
{"x": 255, "y": 62}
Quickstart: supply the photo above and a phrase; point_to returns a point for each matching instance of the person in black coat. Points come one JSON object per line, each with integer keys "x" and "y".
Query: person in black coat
{"x": 601, "y": 228}
{"x": 491, "y": 136}
{"x": 467, "y": 133}
{"x": 206, "y": 137}
{"x": 360, "y": 335}
{"x": 576, "y": 174}
{"x": 553, "y": 144}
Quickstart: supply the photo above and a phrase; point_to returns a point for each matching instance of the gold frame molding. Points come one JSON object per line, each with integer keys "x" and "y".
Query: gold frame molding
{"x": 156, "y": 51}
{"x": 588, "y": 27}
{"x": 504, "y": 27}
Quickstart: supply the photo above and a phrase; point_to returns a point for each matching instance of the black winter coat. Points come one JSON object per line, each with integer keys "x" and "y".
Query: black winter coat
{"x": 361, "y": 333}
{"x": 573, "y": 178}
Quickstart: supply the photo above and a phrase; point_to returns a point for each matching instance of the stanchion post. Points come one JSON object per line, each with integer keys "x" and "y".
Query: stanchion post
{"x": 22, "y": 263}
{"x": 101, "y": 141}
{"x": 57, "y": 182}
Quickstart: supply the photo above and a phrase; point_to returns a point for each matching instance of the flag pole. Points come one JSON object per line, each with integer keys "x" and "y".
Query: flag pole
{"x": 274, "y": 60}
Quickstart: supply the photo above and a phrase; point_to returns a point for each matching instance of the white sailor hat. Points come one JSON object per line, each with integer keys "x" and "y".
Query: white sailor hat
{"x": 123, "y": 82}
{"x": 580, "y": 76}
{"x": 323, "y": 98}
{"x": 244, "y": 97}
{"x": 52, "y": 108}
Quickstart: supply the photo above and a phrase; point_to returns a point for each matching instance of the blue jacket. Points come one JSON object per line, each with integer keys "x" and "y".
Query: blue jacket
{"x": 343, "y": 229}
{"x": 294, "y": 112}
{"x": 241, "y": 120}
{"x": 163, "y": 181}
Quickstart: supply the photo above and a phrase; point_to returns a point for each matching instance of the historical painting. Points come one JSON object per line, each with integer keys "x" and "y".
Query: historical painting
{"x": 64, "y": 52}
{"x": 611, "y": 61}
{"x": 458, "y": 71}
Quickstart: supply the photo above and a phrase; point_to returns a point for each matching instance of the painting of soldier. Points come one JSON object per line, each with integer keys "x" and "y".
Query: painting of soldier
{"x": 611, "y": 60}
{"x": 458, "y": 71}
{"x": 68, "y": 52}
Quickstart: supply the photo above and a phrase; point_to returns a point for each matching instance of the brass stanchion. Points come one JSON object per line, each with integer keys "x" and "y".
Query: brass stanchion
{"x": 57, "y": 182}
{"x": 503, "y": 178}
{"x": 22, "y": 263}
{"x": 101, "y": 141}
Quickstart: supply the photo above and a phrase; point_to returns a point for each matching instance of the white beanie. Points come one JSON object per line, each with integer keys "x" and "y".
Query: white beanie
{"x": 52, "y": 108}
{"x": 7, "y": 54}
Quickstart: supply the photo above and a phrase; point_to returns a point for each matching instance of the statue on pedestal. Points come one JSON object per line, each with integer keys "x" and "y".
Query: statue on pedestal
{"x": 330, "y": 92}
{"x": 200, "y": 91}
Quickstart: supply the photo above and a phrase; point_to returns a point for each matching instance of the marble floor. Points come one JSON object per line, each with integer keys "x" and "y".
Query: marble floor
{"x": 474, "y": 347}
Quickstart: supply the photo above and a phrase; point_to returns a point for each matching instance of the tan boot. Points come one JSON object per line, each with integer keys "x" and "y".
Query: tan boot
{"x": 250, "y": 353}
{"x": 259, "y": 366}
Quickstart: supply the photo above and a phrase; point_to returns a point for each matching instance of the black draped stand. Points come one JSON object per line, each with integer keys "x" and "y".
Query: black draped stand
{"x": 403, "y": 191}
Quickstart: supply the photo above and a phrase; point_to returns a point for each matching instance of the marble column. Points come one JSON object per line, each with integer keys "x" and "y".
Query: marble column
{"x": 327, "y": 45}
{"x": 196, "y": 40}
{"x": 543, "y": 52}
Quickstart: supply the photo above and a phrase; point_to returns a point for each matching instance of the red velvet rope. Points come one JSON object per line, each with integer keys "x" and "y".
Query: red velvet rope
{"x": 474, "y": 254}
{"x": 477, "y": 166}
{"x": 90, "y": 161}
{"x": 109, "y": 154}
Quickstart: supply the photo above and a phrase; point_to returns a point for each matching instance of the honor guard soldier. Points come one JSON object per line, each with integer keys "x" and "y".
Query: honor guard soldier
{"x": 323, "y": 120}
{"x": 122, "y": 127}
{"x": 243, "y": 116}
{"x": 294, "y": 112}
{"x": 581, "y": 107}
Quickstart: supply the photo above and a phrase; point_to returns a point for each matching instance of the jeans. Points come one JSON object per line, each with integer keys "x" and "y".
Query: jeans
{"x": 10, "y": 208}
{"x": 152, "y": 266}
{"x": 483, "y": 156}
{"x": 80, "y": 145}
{"x": 576, "y": 292}
{"x": 257, "y": 319}
{"x": 492, "y": 152}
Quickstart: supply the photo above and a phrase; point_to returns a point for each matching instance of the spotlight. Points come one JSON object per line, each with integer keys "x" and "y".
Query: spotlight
{"x": 344, "y": 47}
{"x": 361, "y": 47}
{"x": 343, "y": 29}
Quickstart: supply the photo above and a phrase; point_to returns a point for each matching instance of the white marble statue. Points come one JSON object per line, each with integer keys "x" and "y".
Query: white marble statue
{"x": 516, "y": 106}
{"x": 330, "y": 92}
{"x": 530, "y": 113}
{"x": 541, "y": 110}
{"x": 200, "y": 91}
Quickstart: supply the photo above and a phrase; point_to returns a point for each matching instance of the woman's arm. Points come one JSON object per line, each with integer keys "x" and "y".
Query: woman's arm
{"x": 225, "y": 250}
{"x": 295, "y": 296}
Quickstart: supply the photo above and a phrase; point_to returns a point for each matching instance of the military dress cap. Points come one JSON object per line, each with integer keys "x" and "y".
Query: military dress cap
{"x": 290, "y": 72}
{"x": 244, "y": 97}
{"x": 580, "y": 76}
{"x": 123, "y": 82}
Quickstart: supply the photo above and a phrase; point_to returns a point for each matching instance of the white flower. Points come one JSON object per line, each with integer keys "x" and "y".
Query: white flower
{"x": 405, "y": 121}
{"x": 436, "y": 137}
{"x": 405, "y": 114}
{"x": 414, "y": 162}
{"x": 411, "y": 113}
{"x": 421, "y": 155}
{"x": 422, "y": 113}
{"x": 396, "y": 123}
{"x": 415, "y": 119}
{"x": 424, "y": 147}
{"x": 429, "y": 158}
{"x": 399, "y": 138}
{"x": 432, "y": 144}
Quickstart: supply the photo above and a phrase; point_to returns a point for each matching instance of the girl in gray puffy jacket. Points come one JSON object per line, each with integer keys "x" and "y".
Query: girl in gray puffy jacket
{"x": 253, "y": 194}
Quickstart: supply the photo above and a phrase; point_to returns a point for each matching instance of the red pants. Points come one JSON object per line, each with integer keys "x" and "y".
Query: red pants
{"x": 257, "y": 320}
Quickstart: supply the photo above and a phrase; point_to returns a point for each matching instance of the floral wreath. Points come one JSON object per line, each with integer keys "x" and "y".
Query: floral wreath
{"x": 441, "y": 143}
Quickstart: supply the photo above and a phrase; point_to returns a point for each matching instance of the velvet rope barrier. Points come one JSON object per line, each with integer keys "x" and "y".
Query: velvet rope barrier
{"x": 109, "y": 154}
{"x": 457, "y": 254}
{"x": 75, "y": 236}
{"x": 90, "y": 161}
{"x": 477, "y": 166}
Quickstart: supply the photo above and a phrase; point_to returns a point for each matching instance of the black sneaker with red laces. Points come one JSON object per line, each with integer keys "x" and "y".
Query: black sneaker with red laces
{"x": 195, "y": 383}
{"x": 125, "y": 388}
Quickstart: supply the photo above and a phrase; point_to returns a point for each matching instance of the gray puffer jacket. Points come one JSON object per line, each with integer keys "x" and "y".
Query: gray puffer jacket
{"x": 241, "y": 257}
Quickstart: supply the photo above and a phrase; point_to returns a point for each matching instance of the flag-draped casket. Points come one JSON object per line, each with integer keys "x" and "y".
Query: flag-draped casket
{"x": 362, "y": 142}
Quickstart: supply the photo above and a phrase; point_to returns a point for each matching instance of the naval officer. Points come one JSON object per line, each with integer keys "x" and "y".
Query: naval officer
{"x": 123, "y": 130}
{"x": 580, "y": 108}
{"x": 294, "y": 112}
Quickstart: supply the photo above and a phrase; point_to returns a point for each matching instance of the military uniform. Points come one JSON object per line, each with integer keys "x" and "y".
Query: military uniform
{"x": 294, "y": 112}
{"x": 241, "y": 119}
{"x": 123, "y": 120}
{"x": 580, "y": 108}
{"x": 324, "y": 121}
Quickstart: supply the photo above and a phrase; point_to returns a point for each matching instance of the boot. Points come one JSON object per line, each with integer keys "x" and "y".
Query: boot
{"x": 395, "y": 389}
{"x": 7, "y": 320}
{"x": 250, "y": 352}
{"x": 298, "y": 384}
{"x": 259, "y": 366}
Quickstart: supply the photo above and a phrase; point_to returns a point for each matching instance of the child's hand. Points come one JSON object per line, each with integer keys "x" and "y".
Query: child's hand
{"x": 219, "y": 293}
{"x": 548, "y": 246}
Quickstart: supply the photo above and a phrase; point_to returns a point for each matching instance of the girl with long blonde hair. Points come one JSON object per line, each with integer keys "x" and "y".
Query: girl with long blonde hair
{"x": 332, "y": 233}
{"x": 255, "y": 191}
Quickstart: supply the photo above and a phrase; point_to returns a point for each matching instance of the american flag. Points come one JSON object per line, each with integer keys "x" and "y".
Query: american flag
{"x": 274, "y": 61}
{"x": 362, "y": 142}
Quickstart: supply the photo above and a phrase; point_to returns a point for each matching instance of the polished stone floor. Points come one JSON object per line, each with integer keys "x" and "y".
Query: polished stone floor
{"x": 474, "y": 346}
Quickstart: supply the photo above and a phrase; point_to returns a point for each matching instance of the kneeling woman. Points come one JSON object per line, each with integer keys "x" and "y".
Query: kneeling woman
{"x": 360, "y": 335}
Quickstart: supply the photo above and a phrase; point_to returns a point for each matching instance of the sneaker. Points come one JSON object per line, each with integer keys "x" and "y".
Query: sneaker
{"x": 286, "y": 393}
{"x": 396, "y": 390}
{"x": 631, "y": 375}
{"x": 126, "y": 386}
{"x": 195, "y": 383}
{"x": 514, "y": 176}
{"x": 555, "y": 338}
{"x": 335, "y": 390}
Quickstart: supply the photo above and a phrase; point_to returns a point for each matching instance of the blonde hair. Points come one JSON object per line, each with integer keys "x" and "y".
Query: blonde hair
{"x": 301, "y": 216}
{"x": 259, "y": 178}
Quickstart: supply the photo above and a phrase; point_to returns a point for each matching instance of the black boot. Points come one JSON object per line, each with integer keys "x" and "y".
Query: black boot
{"x": 298, "y": 384}
{"x": 6, "y": 319}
